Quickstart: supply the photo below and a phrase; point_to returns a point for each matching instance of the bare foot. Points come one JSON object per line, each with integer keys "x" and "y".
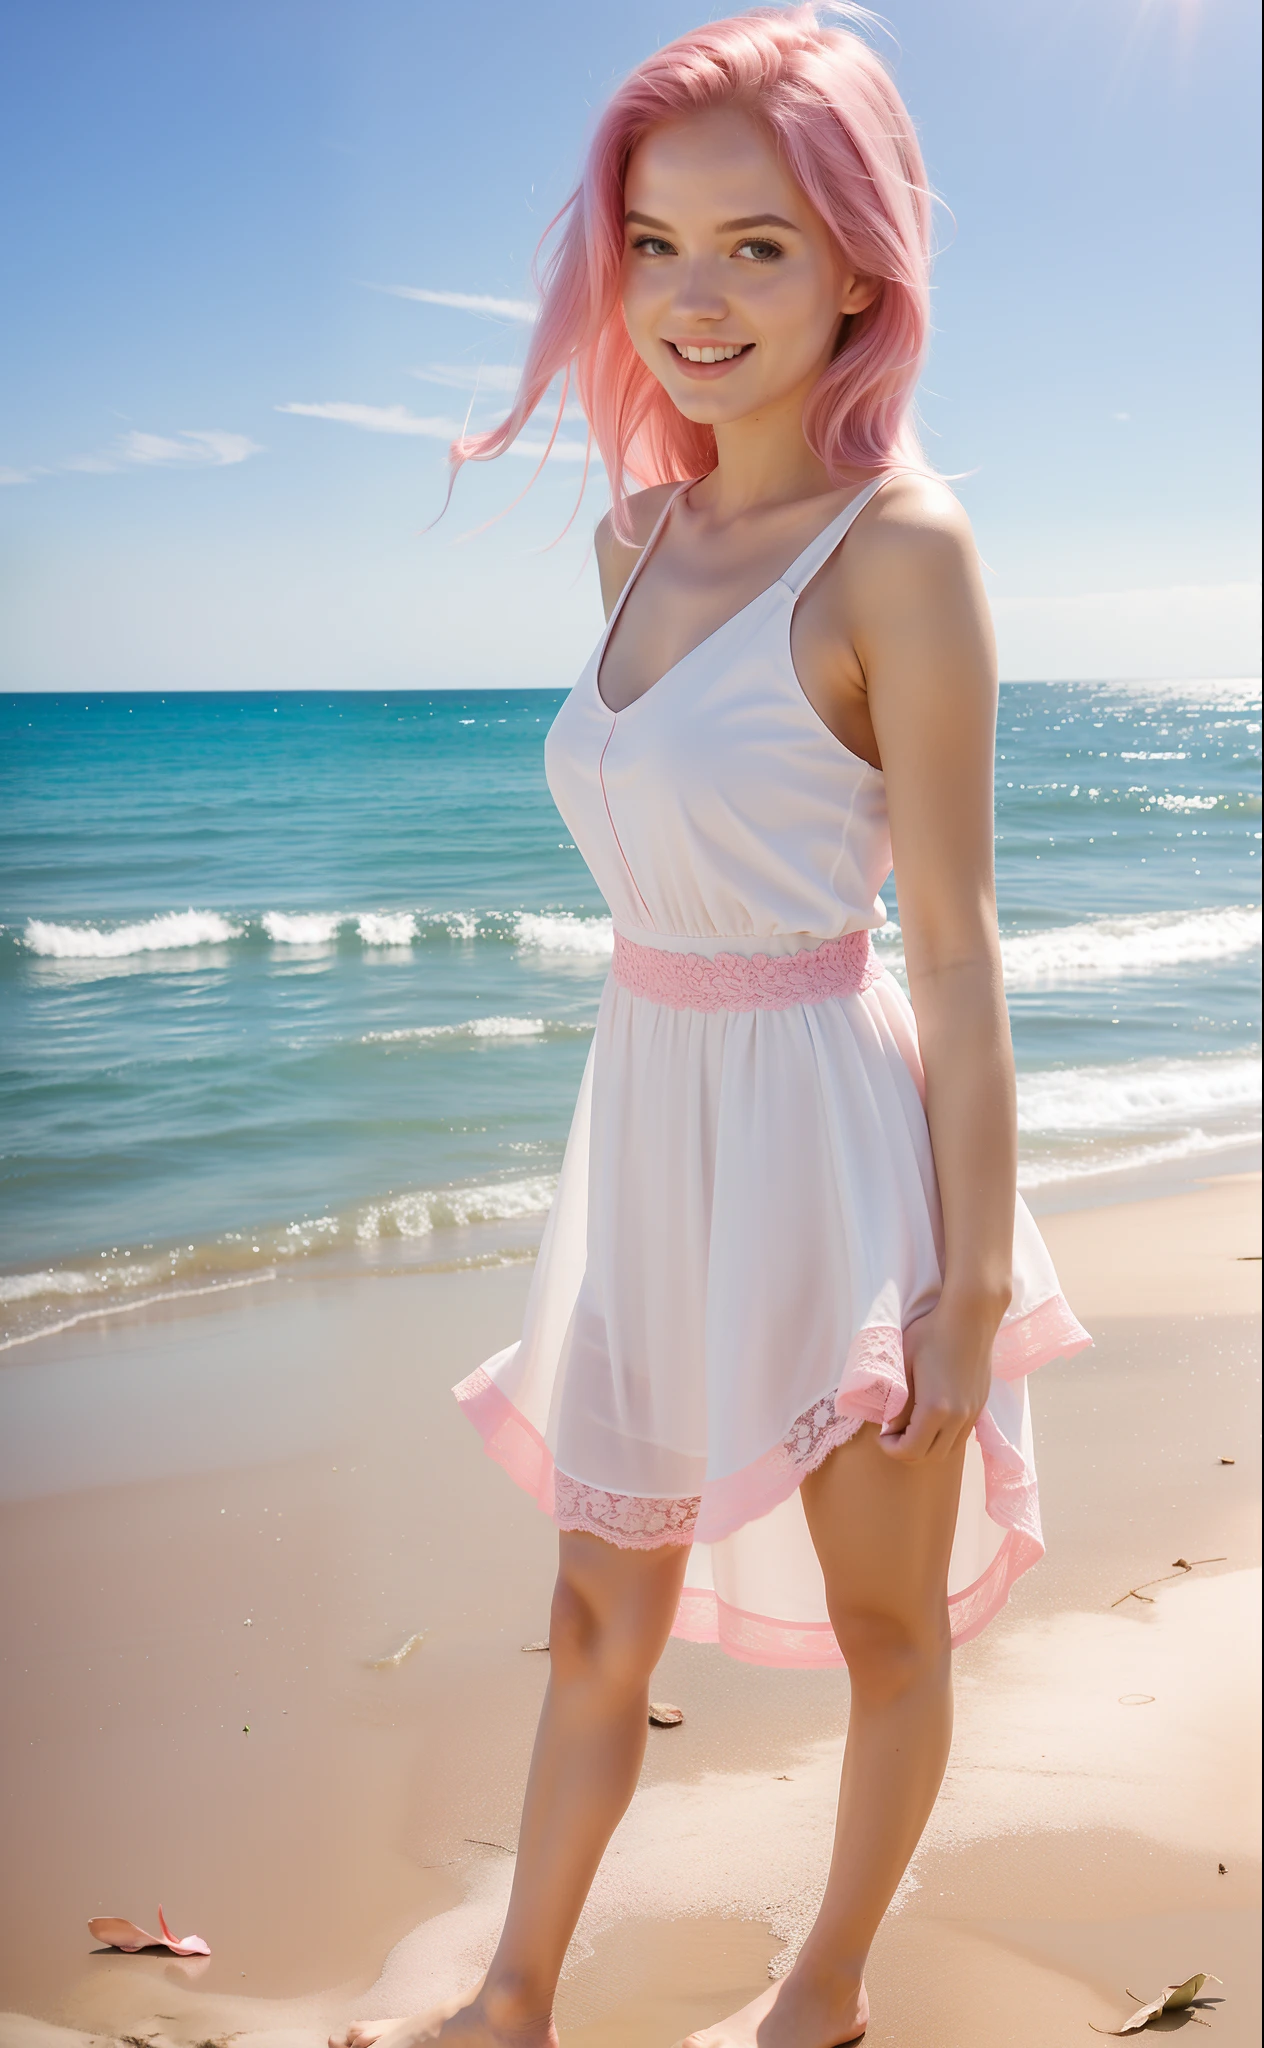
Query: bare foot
{"x": 789, "y": 2015}
{"x": 463, "y": 2022}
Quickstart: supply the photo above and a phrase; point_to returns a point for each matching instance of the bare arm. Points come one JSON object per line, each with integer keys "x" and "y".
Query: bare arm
{"x": 923, "y": 637}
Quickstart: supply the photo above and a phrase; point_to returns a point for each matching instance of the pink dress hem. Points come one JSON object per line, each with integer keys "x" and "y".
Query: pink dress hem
{"x": 873, "y": 1388}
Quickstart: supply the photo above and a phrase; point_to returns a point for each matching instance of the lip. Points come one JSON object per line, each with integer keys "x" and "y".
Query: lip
{"x": 708, "y": 372}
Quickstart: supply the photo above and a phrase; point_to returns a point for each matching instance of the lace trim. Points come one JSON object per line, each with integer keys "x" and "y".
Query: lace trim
{"x": 737, "y": 981}
{"x": 633, "y": 1521}
{"x": 1047, "y": 1331}
{"x": 873, "y": 1388}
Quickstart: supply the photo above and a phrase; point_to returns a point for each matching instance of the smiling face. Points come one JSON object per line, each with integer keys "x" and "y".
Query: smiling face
{"x": 734, "y": 290}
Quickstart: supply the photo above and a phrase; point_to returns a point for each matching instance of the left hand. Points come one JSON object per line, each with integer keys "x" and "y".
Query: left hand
{"x": 948, "y": 1361}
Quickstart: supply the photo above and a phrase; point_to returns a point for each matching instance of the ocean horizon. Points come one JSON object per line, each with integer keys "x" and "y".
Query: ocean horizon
{"x": 300, "y": 978}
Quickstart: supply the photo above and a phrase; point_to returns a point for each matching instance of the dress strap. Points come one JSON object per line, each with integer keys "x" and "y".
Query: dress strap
{"x": 818, "y": 551}
{"x": 644, "y": 556}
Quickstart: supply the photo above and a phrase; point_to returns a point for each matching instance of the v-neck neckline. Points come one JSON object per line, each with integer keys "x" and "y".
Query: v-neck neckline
{"x": 659, "y": 528}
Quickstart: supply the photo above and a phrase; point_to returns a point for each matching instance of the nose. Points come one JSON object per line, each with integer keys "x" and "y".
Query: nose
{"x": 699, "y": 294}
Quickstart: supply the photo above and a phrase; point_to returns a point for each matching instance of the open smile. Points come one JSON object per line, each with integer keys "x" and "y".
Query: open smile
{"x": 708, "y": 358}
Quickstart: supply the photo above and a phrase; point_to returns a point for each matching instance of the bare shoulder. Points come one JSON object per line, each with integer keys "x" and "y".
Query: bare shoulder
{"x": 907, "y": 594}
{"x": 914, "y": 528}
{"x": 616, "y": 558}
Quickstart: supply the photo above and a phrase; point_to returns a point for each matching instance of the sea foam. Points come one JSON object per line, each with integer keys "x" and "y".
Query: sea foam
{"x": 564, "y": 933}
{"x": 1109, "y": 946}
{"x": 387, "y": 928}
{"x": 63, "y": 1280}
{"x": 429, "y": 1209}
{"x": 1048, "y": 1169}
{"x": 476, "y": 1027}
{"x": 173, "y": 930}
{"x": 301, "y": 928}
{"x": 1138, "y": 1094}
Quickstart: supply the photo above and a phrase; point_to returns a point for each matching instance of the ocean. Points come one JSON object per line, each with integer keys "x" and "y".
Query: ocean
{"x": 310, "y": 979}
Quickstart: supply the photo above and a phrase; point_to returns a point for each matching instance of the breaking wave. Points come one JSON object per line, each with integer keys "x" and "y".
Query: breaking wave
{"x": 1101, "y": 948}
{"x": 417, "y": 1215}
{"x": 35, "y": 1303}
{"x": 388, "y": 928}
{"x": 476, "y": 1028}
{"x": 1143, "y": 1094}
{"x": 1110, "y": 946}
{"x": 566, "y": 933}
{"x": 301, "y": 928}
{"x": 173, "y": 930}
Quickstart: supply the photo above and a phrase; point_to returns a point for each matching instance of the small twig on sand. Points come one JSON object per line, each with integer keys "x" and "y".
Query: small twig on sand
{"x": 396, "y": 1658}
{"x": 1181, "y": 1566}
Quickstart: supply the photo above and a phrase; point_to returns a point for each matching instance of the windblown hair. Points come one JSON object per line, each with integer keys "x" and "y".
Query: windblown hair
{"x": 845, "y": 136}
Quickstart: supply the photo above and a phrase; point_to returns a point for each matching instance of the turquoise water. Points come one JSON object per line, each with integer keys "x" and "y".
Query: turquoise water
{"x": 304, "y": 977}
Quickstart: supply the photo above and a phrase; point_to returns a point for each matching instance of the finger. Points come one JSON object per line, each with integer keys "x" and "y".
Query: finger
{"x": 900, "y": 1422}
{"x": 913, "y": 1444}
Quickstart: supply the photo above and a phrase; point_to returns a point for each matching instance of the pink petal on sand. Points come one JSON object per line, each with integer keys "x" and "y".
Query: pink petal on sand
{"x": 124, "y": 1934}
{"x": 182, "y": 1944}
{"x": 127, "y": 1936}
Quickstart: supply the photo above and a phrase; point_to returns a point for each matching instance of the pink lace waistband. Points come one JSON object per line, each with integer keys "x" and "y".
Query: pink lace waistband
{"x": 740, "y": 981}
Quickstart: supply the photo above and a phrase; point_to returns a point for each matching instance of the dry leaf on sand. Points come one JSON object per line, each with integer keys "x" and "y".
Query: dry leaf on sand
{"x": 1173, "y": 1998}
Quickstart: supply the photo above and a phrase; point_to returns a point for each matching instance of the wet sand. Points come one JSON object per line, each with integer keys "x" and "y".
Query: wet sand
{"x": 216, "y": 1522}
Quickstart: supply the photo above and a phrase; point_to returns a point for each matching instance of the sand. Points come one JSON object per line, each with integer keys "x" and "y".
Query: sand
{"x": 217, "y": 1519}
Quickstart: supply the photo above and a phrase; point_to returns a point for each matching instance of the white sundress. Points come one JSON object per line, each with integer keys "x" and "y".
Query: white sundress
{"x": 747, "y": 1215}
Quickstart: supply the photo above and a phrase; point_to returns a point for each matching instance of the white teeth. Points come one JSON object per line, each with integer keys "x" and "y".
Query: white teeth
{"x": 724, "y": 354}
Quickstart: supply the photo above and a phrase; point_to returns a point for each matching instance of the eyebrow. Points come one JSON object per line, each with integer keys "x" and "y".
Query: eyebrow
{"x": 726, "y": 227}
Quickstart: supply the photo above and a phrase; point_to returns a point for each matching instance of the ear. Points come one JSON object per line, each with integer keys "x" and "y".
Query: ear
{"x": 858, "y": 293}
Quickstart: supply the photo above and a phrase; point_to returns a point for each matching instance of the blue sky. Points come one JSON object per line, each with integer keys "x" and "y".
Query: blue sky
{"x": 203, "y": 200}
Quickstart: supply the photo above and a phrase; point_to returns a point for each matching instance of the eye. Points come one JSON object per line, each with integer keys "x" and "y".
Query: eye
{"x": 759, "y": 250}
{"x": 653, "y": 245}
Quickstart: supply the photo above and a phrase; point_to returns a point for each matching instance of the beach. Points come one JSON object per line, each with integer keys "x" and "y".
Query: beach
{"x": 331, "y": 1066}
{"x": 299, "y": 990}
{"x": 224, "y": 1516}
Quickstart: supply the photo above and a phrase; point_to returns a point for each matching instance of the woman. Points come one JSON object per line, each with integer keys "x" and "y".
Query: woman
{"x": 770, "y": 1385}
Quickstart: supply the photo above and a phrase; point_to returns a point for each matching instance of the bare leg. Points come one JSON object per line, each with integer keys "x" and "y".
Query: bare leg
{"x": 612, "y": 1615}
{"x": 883, "y": 1532}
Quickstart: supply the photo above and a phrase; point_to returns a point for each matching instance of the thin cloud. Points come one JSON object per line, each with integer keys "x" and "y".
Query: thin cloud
{"x": 379, "y": 419}
{"x": 396, "y": 419}
{"x": 492, "y": 378}
{"x": 463, "y": 302}
{"x": 208, "y": 447}
{"x": 189, "y": 448}
{"x": 561, "y": 451}
{"x": 470, "y": 376}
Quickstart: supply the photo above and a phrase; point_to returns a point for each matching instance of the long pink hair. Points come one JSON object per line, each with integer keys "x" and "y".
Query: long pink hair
{"x": 847, "y": 139}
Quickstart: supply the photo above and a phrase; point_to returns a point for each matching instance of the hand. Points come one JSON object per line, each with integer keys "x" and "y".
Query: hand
{"x": 948, "y": 1362}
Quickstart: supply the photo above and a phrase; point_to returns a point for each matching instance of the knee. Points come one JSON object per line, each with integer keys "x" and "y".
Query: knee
{"x": 889, "y": 1654}
{"x": 594, "y": 1645}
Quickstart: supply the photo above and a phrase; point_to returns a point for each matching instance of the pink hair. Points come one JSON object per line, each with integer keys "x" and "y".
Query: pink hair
{"x": 847, "y": 139}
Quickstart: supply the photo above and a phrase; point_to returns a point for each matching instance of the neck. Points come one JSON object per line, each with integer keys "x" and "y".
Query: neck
{"x": 763, "y": 460}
